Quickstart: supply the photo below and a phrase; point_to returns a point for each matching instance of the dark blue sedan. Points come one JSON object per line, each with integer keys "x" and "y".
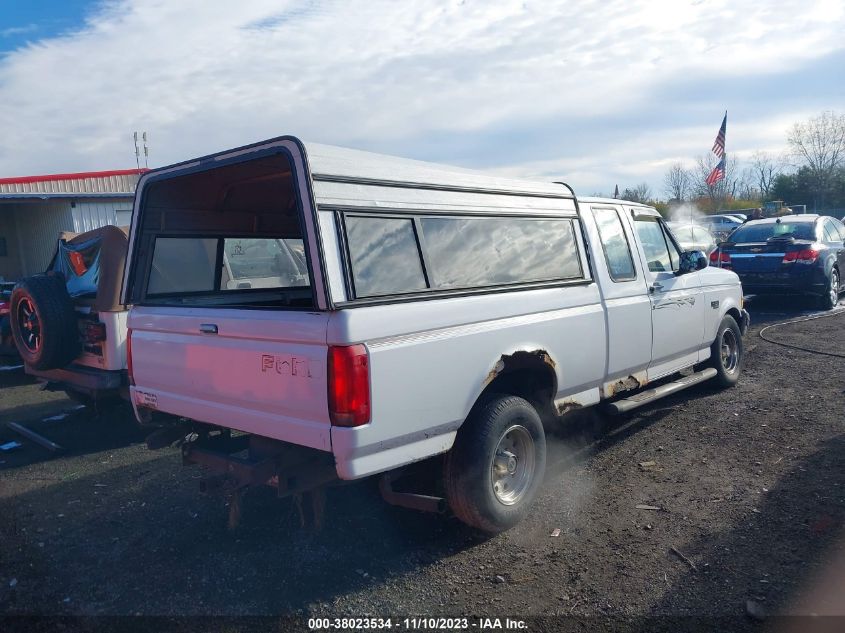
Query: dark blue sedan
{"x": 792, "y": 254}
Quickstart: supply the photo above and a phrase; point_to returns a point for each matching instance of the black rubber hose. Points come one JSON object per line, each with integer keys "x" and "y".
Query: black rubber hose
{"x": 798, "y": 347}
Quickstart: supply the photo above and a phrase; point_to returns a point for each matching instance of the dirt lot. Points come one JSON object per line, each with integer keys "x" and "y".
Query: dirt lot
{"x": 750, "y": 483}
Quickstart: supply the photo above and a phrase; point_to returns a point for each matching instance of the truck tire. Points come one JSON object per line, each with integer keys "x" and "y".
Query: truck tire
{"x": 727, "y": 353}
{"x": 44, "y": 322}
{"x": 496, "y": 466}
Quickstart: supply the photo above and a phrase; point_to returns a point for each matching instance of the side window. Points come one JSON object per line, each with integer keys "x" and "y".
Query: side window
{"x": 840, "y": 229}
{"x": 617, "y": 251}
{"x": 830, "y": 232}
{"x": 385, "y": 256}
{"x": 399, "y": 255}
{"x": 477, "y": 252}
{"x": 656, "y": 245}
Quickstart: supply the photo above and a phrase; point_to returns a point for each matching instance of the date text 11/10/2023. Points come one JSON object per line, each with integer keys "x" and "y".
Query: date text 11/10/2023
{"x": 417, "y": 624}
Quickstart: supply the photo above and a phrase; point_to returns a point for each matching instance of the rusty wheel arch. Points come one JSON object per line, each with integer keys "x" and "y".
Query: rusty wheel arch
{"x": 528, "y": 373}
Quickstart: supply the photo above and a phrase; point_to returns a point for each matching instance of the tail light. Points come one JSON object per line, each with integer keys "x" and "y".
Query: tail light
{"x": 131, "y": 376}
{"x": 720, "y": 258}
{"x": 349, "y": 385}
{"x": 805, "y": 256}
{"x": 4, "y": 308}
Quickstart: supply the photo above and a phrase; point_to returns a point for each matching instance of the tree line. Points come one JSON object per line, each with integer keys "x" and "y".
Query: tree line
{"x": 811, "y": 172}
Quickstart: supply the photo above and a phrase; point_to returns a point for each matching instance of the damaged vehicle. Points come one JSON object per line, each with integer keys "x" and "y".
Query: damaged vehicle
{"x": 416, "y": 315}
{"x": 68, "y": 324}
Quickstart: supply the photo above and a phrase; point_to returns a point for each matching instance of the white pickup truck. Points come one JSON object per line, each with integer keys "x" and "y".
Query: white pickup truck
{"x": 415, "y": 313}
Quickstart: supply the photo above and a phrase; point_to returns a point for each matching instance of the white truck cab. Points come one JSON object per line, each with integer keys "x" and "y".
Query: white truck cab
{"x": 386, "y": 311}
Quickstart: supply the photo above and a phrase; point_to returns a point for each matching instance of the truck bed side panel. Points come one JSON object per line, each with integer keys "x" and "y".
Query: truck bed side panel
{"x": 444, "y": 358}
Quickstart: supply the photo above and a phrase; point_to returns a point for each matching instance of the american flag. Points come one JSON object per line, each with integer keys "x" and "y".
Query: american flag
{"x": 719, "y": 143}
{"x": 717, "y": 174}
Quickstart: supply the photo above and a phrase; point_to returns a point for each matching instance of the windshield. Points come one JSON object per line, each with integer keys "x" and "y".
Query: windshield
{"x": 763, "y": 232}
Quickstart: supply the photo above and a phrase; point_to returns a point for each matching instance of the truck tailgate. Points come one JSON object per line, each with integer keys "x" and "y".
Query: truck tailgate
{"x": 259, "y": 371}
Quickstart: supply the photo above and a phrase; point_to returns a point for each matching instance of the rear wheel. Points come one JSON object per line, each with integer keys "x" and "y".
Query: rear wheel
{"x": 495, "y": 468}
{"x": 830, "y": 299}
{"x": 727, "y": 353}
{"x": 43, "y": 322}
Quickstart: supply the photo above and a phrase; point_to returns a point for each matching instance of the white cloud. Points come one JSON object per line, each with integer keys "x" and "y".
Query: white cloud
{"x": 204, "y": 75}
{"x": 18, "y": 30}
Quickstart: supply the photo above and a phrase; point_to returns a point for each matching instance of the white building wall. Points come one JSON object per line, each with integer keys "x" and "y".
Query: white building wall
{"x": 92, "y": 214}
{"x": 33, "y": 228}
{"x": 39, "y": 225}
{"x": 10, "y": 263}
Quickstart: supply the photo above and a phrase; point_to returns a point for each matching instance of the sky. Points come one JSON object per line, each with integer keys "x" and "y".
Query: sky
{"x": 598, "y": 93}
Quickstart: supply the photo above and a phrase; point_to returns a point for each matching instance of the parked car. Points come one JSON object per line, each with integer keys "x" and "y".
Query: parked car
{"x": 693, "y": 237}
{"x": 441, "y": 317}
{"x": 803, "y": 254}
{"x": 720, "y": 225}
{"x": 68, "y": 324}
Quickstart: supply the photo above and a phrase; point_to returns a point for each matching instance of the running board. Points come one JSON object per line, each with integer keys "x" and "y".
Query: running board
{"x": 650, "y": 395}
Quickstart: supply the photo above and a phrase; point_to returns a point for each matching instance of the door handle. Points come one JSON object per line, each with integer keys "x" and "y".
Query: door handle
{"x": 208, "y": 328}
{"x": 655, "y": 287}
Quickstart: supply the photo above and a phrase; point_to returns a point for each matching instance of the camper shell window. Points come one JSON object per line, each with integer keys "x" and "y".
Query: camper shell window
{"x": 394, "y": 255}
{"x": 229, "y": 236}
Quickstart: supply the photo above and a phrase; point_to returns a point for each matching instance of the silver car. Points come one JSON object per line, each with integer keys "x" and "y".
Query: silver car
{"x": 693, "y": 237}
{"x": 720, "y": 225}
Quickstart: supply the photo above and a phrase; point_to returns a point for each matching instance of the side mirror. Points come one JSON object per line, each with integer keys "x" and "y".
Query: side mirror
{"x": 692, "y": 261}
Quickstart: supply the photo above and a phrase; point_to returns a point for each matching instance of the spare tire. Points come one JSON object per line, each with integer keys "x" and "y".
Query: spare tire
{"x": 43, "y": 322}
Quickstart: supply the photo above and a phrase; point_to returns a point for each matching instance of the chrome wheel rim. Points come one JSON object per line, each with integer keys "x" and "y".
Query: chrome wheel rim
{"x": 513, "y": 465}
{"x": 834, "y": 287}
{"x": 729, "y": 350}
{"x": 30, "y": 326}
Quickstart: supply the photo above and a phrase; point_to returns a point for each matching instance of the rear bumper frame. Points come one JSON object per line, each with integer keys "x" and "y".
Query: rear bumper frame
{"x": 237, "y": 462}
{"x": 87, "y": 380}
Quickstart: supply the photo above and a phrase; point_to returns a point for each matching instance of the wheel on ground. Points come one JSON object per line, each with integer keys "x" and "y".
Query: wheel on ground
{"x": 830, "y": 298}
{"x": 43, "y": 322}
{"x": 727, "y": 353}
{"x": 496, "y": 465}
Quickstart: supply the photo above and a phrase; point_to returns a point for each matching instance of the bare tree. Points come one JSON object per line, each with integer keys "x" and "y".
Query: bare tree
{"x": 640, "y": 193}
{"x": 764, "y": 170}
{"x": 819, "y": 145}
{"x": 747, "y": 185}
{"x": 676, "y": 183}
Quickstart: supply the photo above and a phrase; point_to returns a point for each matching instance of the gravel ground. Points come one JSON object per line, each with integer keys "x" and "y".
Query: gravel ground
{"x": 748, "y": 482}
